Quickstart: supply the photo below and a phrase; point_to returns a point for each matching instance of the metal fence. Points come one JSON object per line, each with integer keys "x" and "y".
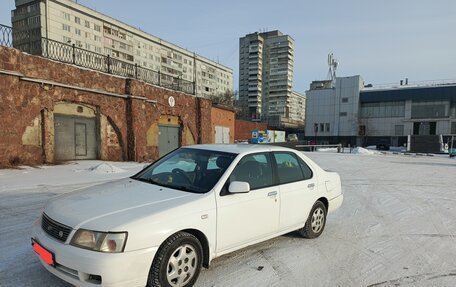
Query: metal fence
{"x": 69, "y": 53}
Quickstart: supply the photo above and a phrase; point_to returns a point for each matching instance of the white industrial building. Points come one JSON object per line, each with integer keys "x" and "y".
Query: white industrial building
{"x": 349, "y": 112}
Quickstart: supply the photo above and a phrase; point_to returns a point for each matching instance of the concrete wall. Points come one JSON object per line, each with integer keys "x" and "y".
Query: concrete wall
{"x": 348, "y": 87}
{"x": 328, "y": 105}
{"x": 32, "y": 89}
{"x": 320, "y": 108}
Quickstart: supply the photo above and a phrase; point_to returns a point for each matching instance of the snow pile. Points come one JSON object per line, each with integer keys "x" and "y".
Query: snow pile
{"x": 360, "y": 150}
{"x": 105, "y": 168}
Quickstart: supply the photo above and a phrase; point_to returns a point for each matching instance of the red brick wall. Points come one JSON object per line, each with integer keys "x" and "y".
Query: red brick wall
{"x": 21, "y": 101}
{"x": 222, "y": 117}
{"x": 243, "y": 129}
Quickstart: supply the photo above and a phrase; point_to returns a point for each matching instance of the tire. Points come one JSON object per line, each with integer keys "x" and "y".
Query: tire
{"x": 177, "y": 262}
{"x": 316, "y": 221}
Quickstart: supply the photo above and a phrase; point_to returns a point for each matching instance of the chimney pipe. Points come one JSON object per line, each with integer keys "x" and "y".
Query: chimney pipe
{"x": 401, "y": 82}
{"x": 406, "y": 81}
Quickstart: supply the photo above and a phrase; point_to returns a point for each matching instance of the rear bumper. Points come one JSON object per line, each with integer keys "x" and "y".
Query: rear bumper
{"x": 75, "y": 265}
{"x": 335, "y": 203}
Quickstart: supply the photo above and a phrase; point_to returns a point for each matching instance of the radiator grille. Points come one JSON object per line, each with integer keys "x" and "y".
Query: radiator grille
{"x": 55, "y": 229}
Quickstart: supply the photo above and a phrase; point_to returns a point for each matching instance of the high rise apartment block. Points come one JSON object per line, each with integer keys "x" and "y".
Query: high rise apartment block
{"x": 69, "y": 22}
{"x": 266, "y": 79}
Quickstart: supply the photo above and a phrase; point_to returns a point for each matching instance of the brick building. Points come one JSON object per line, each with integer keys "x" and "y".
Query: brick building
{"x": 51, "y": 111}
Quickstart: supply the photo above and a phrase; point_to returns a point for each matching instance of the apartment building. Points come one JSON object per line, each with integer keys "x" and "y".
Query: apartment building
{"x": 69, "y": 22}
{"x": 266, "y": 78}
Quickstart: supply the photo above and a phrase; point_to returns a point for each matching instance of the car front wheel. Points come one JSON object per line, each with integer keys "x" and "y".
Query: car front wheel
{"x": 177, "y": 262}
{"x": 315, "y": 222}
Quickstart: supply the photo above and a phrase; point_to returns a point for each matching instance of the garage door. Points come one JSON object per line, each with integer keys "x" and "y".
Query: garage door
{"x": 222, "y": 135}
{"x": 168, "y": 139}
{"x": 75, "y": 138}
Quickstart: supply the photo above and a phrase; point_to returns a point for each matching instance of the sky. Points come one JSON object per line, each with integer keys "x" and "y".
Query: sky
{"x": 383, "y": 41}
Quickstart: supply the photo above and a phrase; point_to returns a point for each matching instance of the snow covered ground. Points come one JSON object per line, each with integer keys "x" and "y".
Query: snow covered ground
{"x": 397, "y": 226}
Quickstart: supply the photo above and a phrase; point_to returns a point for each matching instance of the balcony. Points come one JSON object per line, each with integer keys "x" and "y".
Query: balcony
{"x": 254, "y": 98}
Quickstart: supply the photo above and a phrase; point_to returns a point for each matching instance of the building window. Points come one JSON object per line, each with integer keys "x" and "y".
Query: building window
{"x": 429, "y": 110}
{"x": 327, "y": 127}
{"x": 66, "y": 16}
{"x": 66, "y": 27}
{"x": 399, "y": 130}
{"x": 344, "y": 100}
{"x": 77, "y": 32}
{"x": 97, "y": 27}
{"x": 66, "y": 40}
{"x": 87, "y": 24}
{"x": 343, "y": 114}
{"x": 77, "y": 20}
{"x": 383, "y": 110}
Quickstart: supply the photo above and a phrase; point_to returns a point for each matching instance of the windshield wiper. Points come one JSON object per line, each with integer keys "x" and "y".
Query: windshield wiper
{"x": 183, "y": 187}
{"x": 179, "y": 187}
{"x": 150, "y": 180}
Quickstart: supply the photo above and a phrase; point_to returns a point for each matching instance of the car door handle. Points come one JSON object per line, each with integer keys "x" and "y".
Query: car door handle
{"x": 272, "y": 193}
{"x": 311, "y": 185}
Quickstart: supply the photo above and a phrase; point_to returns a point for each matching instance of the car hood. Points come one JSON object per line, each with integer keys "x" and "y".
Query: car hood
{"x": 75, "y": 209}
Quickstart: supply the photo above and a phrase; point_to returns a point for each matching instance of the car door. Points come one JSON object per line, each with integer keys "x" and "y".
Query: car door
{"x": 298, "y": 189}
{"x": 246, "y": 217}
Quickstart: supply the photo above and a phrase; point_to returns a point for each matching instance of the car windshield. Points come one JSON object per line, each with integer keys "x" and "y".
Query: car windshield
{"x": 187, "y": 169}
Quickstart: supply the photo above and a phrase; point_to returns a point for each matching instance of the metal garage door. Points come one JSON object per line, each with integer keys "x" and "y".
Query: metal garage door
{"x": 222, "y": 135}
{"x": 75, "y": 138}
{"x": 168, "y": 139}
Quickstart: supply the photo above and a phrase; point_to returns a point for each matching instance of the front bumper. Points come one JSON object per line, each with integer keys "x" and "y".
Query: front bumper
{"x": 76, "y": 265}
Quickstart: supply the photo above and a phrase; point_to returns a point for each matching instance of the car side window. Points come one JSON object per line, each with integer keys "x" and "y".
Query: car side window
{"x": 305, "y": 169}
{"x": 255, "y": 169}
{"x": 288, "y": 167}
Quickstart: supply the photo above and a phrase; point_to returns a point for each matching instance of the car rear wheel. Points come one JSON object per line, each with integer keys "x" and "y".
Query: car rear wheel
{"x": 177, "y": 262}
{"x": 316, "y": 221}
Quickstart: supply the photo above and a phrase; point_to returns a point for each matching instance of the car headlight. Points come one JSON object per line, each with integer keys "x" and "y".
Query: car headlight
{"x": 110, "y": 242}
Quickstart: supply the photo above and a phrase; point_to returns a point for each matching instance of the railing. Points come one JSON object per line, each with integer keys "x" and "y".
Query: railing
{"x": 71, "y": 54}
{"x": 308, "y": 147}
{"x": 410, "y": 84}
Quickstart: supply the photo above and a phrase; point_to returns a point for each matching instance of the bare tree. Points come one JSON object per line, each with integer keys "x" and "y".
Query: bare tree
{"x": 224, "y": 99}
{"x": 242, "y": 109}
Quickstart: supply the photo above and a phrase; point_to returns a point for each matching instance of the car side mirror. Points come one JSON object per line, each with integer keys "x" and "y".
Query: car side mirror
{"x": 239, "y": 187}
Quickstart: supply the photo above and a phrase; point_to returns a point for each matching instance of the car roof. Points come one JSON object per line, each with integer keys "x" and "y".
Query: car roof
{"x": 240, "y": 148}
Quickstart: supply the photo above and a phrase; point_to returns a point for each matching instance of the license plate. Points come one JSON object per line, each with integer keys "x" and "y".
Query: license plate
{"x": 44, "y": 254}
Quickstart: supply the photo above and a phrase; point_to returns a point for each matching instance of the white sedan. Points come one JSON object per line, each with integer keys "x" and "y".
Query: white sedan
{"x": 159, "y": 227}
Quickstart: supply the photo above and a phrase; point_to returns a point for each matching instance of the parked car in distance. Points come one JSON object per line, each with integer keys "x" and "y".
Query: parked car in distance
{"x": 159, "y": 227}
{"x": 383, "y": 144}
